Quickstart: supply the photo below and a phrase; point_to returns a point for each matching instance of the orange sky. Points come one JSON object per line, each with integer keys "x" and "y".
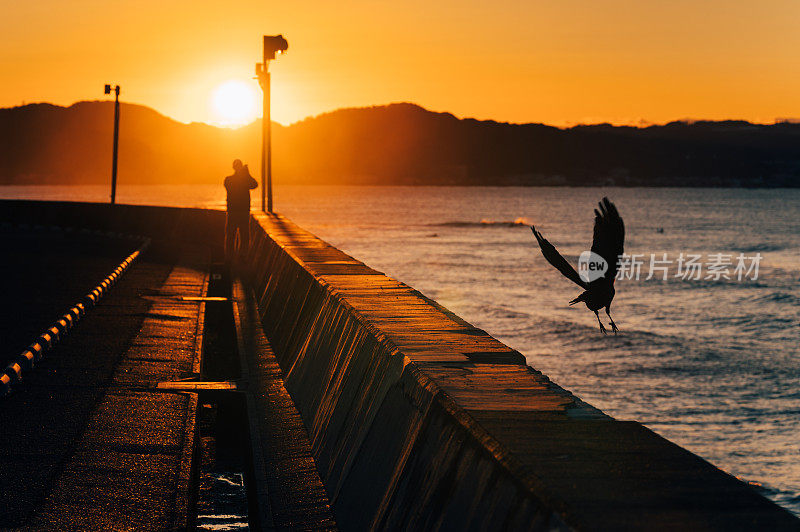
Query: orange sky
{"x": 561, "y": 62}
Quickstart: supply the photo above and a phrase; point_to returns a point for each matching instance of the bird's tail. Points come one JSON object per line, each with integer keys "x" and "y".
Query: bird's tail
{"x": 578, "y": 299}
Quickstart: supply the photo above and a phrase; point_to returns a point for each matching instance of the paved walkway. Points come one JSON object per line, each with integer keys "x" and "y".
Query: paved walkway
{"x": 86, "y": 443}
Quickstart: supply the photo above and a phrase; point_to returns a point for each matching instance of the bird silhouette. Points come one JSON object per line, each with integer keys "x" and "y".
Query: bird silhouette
{"x": 608, "y": 241}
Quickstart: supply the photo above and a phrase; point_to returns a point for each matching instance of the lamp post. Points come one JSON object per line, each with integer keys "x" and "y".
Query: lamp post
{"x": 272, "y": 44}
{"x": 116, "y": 142}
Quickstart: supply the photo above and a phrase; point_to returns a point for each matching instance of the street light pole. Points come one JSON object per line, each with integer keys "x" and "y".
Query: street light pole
{"x": 266, "y": 148}
{"x": 272, "y": 44}
{"x": 116, "y": 142}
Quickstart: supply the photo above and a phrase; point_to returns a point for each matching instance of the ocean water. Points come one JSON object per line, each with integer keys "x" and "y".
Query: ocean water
{"x": 711, "y": 364}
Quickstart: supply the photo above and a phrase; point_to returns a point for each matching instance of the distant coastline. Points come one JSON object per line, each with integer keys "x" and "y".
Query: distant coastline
{"x": 398, "y": 144}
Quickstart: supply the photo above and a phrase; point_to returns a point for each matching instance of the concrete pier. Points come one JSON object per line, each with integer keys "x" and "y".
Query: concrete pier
{"x": 369, "y": 406}
{"x": 86, "y": 444}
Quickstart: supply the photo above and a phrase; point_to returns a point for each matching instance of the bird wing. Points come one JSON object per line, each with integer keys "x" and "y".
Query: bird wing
{"x": 609, "y": 236}
{"x": 556, "y": 259}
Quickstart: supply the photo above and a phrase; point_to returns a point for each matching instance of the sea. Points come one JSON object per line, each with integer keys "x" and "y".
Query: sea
{"x": 708, "y": 353}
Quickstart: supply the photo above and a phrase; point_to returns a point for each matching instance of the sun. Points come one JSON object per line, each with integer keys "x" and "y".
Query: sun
{"x": 234, "y": 103}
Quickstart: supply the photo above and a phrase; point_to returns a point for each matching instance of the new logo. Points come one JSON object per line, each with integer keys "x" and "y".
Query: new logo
{"x": 591, "y": 266}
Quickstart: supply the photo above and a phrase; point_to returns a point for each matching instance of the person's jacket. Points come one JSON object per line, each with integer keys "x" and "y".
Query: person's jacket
{"x": 238, "y": 187}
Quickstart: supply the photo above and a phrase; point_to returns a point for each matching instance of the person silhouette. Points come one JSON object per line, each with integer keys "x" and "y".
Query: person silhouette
{"x": 238, "y": 188}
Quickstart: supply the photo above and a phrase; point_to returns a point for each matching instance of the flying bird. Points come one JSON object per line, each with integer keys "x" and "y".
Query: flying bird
{"x": 609, "y": 237}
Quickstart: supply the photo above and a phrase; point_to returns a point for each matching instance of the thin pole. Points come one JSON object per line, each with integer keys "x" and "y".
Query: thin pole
{"x": 268, "y": 140}
{"x": 266, "y": 145}
{"x": 116, "y": 147}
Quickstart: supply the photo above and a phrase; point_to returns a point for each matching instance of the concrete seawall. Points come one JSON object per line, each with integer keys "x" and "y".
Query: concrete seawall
{"x": 162, "y": 224}
{"x": 419, "y": 420}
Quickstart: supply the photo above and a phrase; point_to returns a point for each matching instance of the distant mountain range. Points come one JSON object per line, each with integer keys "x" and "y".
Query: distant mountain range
{"x": 393, "y": 144}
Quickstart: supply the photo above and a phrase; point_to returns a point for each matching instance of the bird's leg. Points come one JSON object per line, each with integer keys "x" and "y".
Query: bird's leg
{"x": 600, "y": 323}
{"x": 613, "y": 325}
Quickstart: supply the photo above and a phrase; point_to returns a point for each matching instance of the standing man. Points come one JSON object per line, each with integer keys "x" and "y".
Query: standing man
{"x": 238, "y": 187}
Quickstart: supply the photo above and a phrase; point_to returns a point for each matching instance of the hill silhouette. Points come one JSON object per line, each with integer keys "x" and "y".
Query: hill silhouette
{"x": 44, "y": 143}
{"x": 392, "y": 144}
